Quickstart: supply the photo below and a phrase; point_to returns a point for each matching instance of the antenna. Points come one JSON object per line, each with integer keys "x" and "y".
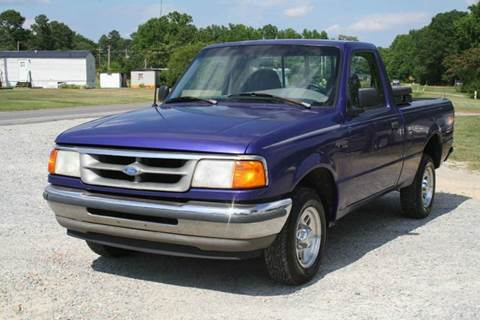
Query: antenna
{"x": 155, "y": 97}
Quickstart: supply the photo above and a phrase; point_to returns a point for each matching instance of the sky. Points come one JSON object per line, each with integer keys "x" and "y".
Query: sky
{"x": 376, "y": 21}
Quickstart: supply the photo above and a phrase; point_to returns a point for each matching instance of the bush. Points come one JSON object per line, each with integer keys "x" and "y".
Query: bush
{"x": 70, "y": 86}
{"x": 471, "y": 87}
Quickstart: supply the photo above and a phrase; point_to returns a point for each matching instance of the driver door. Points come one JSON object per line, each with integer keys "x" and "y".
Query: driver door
{"x": 371, "y": 157}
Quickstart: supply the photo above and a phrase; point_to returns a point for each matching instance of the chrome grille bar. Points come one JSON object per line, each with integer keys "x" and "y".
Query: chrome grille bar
{"x": 92, "y": 163}
{"x": 102, "y": 167}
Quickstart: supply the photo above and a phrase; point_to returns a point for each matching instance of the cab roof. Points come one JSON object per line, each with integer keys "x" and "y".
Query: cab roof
{"x": 299, "y": 42}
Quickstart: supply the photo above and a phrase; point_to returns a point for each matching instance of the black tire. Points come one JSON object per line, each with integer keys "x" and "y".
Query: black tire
{"x": 107, "y": 251}
{"x": 281, "y": 257}
{"x": 411, "y": 197}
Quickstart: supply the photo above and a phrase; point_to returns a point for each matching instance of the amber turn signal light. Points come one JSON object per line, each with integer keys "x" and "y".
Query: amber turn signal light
{"x": 52, "y": 161}
{"x": 249, "y": 174}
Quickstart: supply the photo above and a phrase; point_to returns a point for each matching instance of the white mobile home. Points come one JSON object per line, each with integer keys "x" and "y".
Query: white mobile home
{"x": 47, "y": 69}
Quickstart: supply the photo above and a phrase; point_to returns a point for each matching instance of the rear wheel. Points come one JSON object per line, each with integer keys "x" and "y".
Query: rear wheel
{"x": 294, "y": 257}
{"x": 417, "y": 199}
{"x": 107, "y": 251}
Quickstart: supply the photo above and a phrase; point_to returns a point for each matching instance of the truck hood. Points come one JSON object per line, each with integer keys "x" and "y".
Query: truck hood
{"x": 187, "y": 127}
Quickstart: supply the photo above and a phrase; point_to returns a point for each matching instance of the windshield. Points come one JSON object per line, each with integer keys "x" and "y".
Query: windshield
{"x": 306, "y": 74}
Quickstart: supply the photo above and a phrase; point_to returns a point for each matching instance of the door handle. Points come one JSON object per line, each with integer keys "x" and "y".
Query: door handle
{"x": 395, "y": 125}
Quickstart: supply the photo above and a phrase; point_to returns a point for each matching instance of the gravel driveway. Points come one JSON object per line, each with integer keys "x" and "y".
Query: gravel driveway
{"x": 378, "y": 264}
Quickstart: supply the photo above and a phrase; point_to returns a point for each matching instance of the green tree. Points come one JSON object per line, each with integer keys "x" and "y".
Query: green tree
{"x": 465, "y": 67}
{"x": 468, "y": 28}
{"x": 400, "y": 60}
{"x": 63, "y": 37}
{"x": 212, "y": 34}
{"x": 269, "y": 32}
{"x": 179, "y": 61}
{"x": 82, "y": 43}
{"x": 435, "y": 42}
{"x": 52, "y": 35}
{"x": 314, "y": 34}
{"x": 42, "y": 35}
{"x": 157, "y": 38}
{"x": 289, "y": 33}
{"x": 420, "y": 54}
{"x": 241, "y": 32}
{"x": 11, "y": 30}
{"x": 118, "y": 51}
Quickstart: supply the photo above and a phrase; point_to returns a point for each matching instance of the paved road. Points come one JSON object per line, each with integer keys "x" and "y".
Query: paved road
{"x": 378, "y": 265}
{"x": 46, "y": 115}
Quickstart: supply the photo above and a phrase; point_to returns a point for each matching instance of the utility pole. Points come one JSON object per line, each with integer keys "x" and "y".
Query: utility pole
{"x": 108, "y": 59}
{"x": 99, "y": 53}
{"x": 145, "y": 63}
{"x": 161, "y": 8}
{"x": 126, "y": 53}
{"x": 18, "y": 45}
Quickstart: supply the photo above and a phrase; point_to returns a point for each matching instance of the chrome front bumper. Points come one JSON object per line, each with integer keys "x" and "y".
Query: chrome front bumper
{"x": 208, "y": 226}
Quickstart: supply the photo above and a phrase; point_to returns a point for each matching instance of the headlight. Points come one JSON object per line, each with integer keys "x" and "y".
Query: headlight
{"x": 65, "y": 163}
{"x": 229, "y": 174}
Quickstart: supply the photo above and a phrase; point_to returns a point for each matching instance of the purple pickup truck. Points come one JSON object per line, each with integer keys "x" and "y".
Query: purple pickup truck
{"x": 256, "y": 151}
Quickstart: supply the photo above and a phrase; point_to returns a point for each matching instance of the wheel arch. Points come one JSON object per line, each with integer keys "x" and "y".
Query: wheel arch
{"x": 322, "y": 180}
{"x": 433, "y": 148}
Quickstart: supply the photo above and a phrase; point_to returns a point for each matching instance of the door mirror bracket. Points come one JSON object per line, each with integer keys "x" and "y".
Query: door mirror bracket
{"x": 160, "y": 95}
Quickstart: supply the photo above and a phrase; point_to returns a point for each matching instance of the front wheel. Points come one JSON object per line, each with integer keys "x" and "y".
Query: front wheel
{"x": 417, "y": 199}
{"x": 295, "y": 255}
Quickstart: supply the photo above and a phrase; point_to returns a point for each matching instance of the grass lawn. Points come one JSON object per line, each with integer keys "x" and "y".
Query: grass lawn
{"x": 436, "y": 89}
{"x": 467, "y": 141}
{"x": 29, "y": 99}
{"x": 462, "y": 102}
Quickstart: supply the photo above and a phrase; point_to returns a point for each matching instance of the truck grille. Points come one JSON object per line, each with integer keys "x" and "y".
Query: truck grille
{"x": 144, "y": 170}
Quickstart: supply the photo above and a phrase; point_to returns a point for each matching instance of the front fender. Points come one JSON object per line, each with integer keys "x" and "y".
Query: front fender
{"x": 311, "y": 163}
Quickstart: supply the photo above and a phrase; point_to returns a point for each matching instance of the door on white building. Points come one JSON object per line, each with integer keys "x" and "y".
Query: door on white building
{"x": 23, "y": 71}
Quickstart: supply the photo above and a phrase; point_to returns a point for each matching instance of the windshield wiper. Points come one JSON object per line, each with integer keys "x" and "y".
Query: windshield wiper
{"x": 190, "y": 99}
{"x": 271, "y": 97}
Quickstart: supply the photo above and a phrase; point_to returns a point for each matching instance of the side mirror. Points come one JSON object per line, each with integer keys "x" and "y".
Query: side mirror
{"x": 368, "y": 98}
{"x": 163, "y": 92}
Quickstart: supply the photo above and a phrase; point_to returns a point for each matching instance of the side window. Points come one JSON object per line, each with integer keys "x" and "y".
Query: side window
{"x": 365, "y": 86}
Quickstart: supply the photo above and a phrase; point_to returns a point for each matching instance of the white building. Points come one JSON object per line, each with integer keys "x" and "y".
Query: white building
{"x": 148, "y": 78}
{"x": 47, "y": 69}
{"x": 111, "y": 80}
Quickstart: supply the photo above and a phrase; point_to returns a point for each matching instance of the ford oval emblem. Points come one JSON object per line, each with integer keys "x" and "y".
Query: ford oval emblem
{"x": 131, "y": 171}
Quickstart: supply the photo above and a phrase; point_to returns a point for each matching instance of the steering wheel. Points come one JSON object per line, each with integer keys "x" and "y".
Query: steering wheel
{"x": 316, "y": 87}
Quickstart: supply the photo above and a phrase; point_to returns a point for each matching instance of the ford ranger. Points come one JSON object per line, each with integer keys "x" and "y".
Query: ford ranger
{"x": 256, "y": 151}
